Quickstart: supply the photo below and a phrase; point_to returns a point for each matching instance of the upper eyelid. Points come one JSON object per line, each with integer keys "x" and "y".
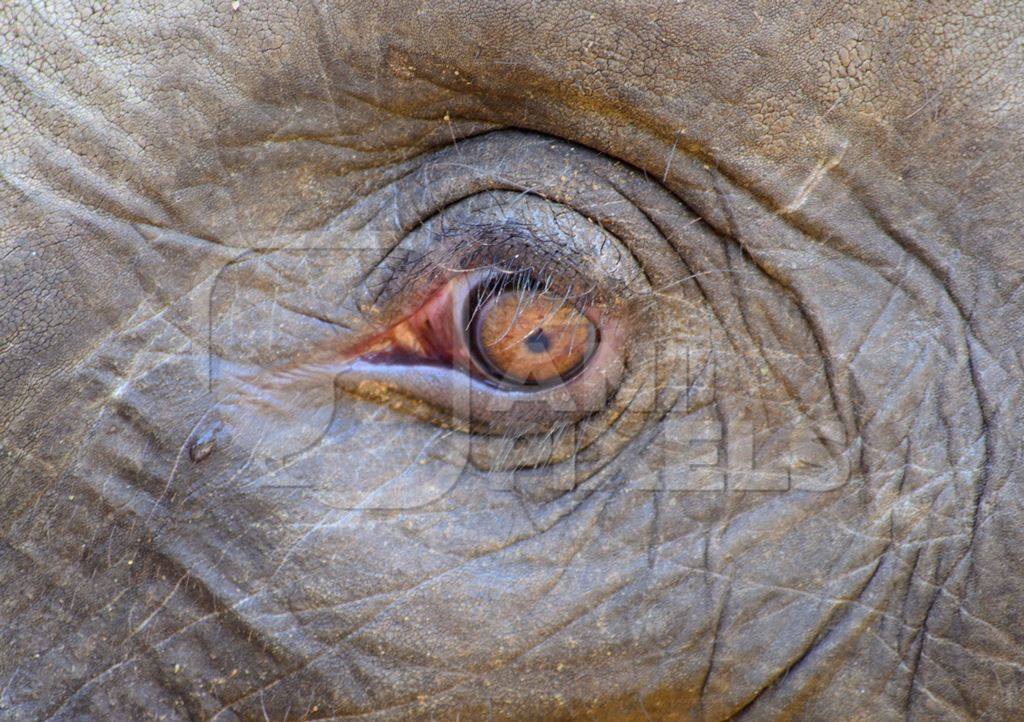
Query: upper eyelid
{"x": 509, "y": 247}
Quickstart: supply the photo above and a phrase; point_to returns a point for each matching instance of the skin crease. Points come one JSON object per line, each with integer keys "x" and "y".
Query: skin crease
{"x": 866, "y": 157}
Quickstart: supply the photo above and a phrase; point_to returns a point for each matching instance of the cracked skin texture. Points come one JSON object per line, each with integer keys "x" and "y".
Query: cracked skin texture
{"x": 865, "y": 158}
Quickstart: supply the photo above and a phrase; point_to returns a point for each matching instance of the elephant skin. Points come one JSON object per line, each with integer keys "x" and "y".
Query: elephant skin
{"x": 798, "y": 495}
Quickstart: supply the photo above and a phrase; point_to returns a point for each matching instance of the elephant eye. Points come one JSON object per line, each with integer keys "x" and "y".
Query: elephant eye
{"x": 529, "y": 338}
{"x": 506, "y": 317}
{"x": 505, "y": 330}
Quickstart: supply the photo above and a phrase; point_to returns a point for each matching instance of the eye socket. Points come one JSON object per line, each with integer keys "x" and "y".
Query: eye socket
{"x": 424, "y": 336}
{"x": 524, "y": 336}
{"x": 412, "y": 342}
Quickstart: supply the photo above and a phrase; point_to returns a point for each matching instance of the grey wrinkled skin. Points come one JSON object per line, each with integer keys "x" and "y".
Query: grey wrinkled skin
{"x": 834, "y": 188}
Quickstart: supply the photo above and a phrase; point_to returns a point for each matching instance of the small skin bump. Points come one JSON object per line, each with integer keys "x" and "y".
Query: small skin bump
{"x": 203, "y": 445}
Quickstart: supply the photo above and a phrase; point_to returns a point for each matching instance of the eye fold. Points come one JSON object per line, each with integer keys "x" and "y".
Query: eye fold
{"x": 530, "y": 338}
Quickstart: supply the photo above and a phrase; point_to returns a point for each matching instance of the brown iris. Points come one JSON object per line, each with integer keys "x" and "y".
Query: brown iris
{"x": 531, "y": 338}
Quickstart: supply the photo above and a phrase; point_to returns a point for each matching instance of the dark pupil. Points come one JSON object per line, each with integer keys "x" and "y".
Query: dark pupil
{"x": 538, "y": 341}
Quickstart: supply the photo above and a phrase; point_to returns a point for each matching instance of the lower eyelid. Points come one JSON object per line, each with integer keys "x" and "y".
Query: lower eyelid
{"x": 453, "y": 399}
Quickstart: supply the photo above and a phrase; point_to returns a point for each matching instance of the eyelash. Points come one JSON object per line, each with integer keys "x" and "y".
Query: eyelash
{"x": 507, "y": 250}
